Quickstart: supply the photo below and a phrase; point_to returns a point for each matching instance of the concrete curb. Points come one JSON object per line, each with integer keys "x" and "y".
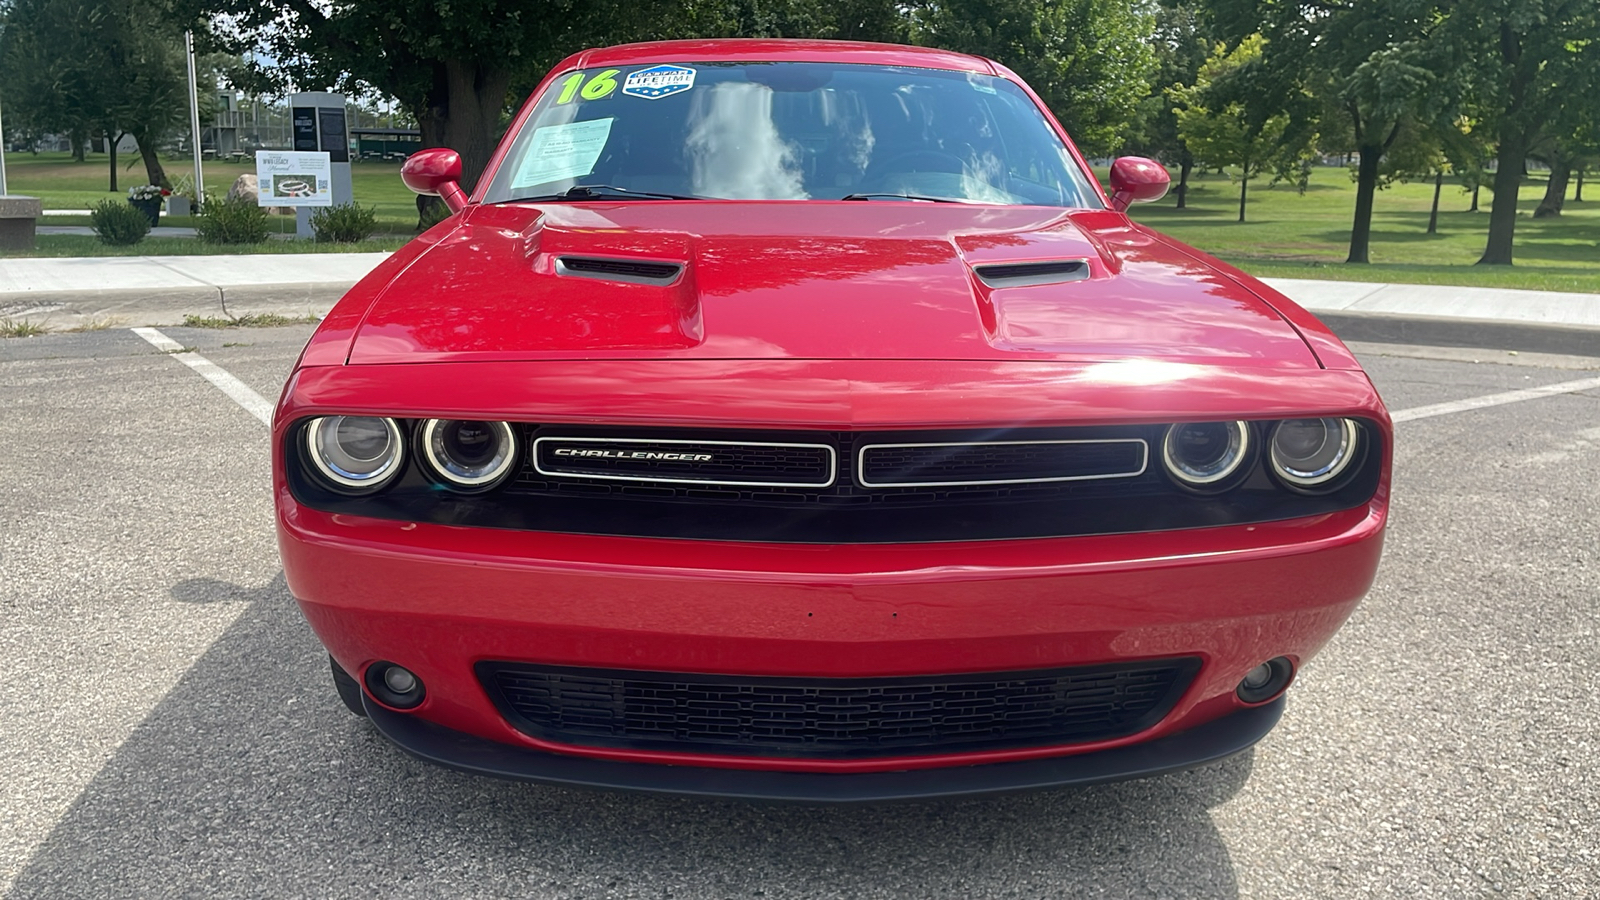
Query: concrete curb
{"x": 66, "y": 310}
{"x": 1440, "y": 331}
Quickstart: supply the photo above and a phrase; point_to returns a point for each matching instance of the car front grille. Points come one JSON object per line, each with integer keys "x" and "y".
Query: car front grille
{"x": 837, "y": 487}
{"x": 838, "y": 718}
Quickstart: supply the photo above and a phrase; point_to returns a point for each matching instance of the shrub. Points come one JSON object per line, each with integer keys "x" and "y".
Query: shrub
{"x": 117, "y": 223}
{"x": 236, "y": 220}
{"x": 346, "y": 223}
{"x": 430, "y": 212}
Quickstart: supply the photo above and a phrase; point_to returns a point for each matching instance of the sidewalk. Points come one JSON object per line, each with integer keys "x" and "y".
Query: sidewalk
{"x": 161, "y": 290}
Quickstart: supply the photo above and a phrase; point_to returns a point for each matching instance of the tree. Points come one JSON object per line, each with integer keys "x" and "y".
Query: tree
{"x": 83, "y": 67}
{"x": 1370, "y": 63}
{"x": 1181, "y": 41}
{"x": 454, "y": 64}
{"x": 1529, "y": 63}
{"x": 1228, "y": 120}
{"x": 1090, "y": 60}
{"x": 1384, "y": 97}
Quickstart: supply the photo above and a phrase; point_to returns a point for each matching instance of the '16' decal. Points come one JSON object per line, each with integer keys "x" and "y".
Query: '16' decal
{"x": 599, "y": 87}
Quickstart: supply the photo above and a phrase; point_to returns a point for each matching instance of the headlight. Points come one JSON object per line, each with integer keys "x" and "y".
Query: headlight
{"x": 1205, "y": 455}
{"x": 467, "y": 454}
{"x": 1308, "y": 453}
{"x": 360, "y": 453}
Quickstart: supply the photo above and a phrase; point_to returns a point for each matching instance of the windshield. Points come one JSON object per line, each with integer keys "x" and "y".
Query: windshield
{"x": 789, "y": 131}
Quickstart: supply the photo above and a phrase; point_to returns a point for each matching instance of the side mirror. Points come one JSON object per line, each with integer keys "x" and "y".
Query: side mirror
{"x": 1135, "y": 179}
{"x": 436, "y": 172}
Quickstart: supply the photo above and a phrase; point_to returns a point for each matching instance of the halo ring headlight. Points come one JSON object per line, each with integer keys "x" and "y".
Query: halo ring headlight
{"x": 468, "y": 454}
{"x": 1312, "y": 453}
{"x": 355, "y": 453}
{"x": 1206, "y": 455}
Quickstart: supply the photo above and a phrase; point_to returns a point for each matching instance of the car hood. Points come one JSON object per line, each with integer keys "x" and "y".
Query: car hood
{"x": 813, "y": 280}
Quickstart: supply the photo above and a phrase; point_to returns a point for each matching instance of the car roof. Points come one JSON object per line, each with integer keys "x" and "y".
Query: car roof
{"x": 780, "y": 50}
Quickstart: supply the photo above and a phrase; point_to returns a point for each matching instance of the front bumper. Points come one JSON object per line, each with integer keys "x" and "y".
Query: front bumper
{"x": 439, "y": 600}
{"x": 1209, "y": 743}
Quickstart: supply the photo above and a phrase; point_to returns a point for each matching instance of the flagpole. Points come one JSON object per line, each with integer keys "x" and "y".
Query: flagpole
{"x": 3, "y": 190}
{"x": 194, "y": 119}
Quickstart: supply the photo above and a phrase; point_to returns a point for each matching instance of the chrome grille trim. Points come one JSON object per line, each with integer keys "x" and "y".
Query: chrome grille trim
{"x": 832, "y": 456}
{"x": 861, "y": 460}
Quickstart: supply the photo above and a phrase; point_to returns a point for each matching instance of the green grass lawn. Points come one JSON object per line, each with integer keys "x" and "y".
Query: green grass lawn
{"x": 63, "y": 184}
{"x": 1286, "y": 234}
{"x": 1291, "y": 235}
{"x": 74, "y": 245}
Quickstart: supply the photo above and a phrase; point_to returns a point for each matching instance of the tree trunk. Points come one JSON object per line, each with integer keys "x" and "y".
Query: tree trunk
{"x": 1244, "y": 187}
{"x": 1433, "y": 217}
{"x": 1475, "y": 189}
{"x": 1366, "y": 186}
{"x": 78, "y": 146}
{"x": 1555, "y": 191}
{"x": 1577, "y": 196}
{"x": 1513, "y": 152}
{"x": 1186, "y": 165}
{"x": 152, "y": 165}
{"x": 463, "y": 113}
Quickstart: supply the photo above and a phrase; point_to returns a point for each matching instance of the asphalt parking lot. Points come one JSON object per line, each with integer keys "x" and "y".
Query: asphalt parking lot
{"x": 169, "y": 729}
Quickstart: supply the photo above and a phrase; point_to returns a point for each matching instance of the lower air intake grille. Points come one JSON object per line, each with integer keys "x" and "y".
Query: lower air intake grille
{"x": 841, "y": 718}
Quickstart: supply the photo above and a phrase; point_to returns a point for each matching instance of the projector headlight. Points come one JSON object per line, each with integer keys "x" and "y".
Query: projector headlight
{"x": 355, "y": 454}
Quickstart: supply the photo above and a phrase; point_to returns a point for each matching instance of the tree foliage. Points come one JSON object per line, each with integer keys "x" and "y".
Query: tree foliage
{"x": 1090, "y": 60}
{"x": 1181, "y": 42}
{"x": 1530, "y": 70}
{"x": 458, "y": 65}
{"x": 1227, "y": 119}
{"x": 82, "y": 67}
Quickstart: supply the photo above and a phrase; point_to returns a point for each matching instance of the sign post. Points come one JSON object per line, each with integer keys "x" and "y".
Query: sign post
{"x": 318, "y": 121}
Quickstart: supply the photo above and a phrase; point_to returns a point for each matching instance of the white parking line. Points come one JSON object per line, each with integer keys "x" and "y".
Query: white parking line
{"x": 253, "y": 403}
{"x": 1455, "y": 406}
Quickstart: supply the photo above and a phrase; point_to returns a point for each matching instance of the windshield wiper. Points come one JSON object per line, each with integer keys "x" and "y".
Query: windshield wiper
{"x": 878, "y": 196}
{"x": 603, "y": 191}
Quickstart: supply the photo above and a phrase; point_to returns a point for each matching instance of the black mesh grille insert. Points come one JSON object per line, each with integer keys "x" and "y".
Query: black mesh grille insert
{"x": 707, "y": 462}
{"x": 835, "y": 717}
{"x": 992, "y": 463}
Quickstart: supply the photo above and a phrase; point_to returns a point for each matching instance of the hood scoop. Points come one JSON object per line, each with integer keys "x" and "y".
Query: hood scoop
{"x": 628, "y": 271}
{"x": 1007, "y": 275}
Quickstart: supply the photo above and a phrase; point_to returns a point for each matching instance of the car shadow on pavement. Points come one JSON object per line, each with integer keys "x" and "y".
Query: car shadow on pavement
{"x": 250, "y": 779}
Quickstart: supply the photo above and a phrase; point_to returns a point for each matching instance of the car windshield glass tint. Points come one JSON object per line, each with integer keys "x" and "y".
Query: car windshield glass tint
{"x": 789, "y": 131}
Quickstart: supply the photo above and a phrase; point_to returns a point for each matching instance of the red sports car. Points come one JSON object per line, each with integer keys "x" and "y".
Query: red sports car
{"x": 800, "y": 420}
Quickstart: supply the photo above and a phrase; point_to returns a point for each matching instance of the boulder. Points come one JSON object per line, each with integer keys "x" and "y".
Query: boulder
{"x": 245, "y": 187}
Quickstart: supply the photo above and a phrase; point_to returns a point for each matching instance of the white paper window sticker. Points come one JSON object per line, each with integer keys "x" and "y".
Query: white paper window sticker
{"x": 557, "y": 152}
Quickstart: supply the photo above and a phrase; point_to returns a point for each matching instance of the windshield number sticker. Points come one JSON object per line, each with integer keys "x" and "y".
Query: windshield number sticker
{"x": 599, "y": 87}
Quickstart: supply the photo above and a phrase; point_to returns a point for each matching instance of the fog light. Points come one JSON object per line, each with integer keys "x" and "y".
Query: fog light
{"x": 403, "y": 682}
{"x": 1266, "y": 681}
{"x": 394, "y": 685}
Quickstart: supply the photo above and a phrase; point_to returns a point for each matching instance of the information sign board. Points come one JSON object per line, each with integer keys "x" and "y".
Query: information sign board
{"x": 291, "y": 178}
